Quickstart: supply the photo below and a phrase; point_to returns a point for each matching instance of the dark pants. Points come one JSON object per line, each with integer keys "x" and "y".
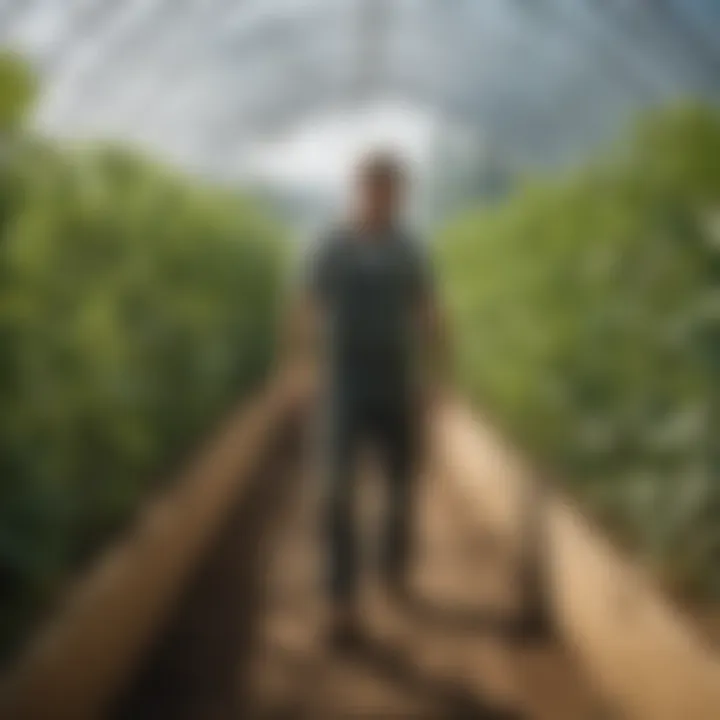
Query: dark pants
{"x": 388, "y": 425}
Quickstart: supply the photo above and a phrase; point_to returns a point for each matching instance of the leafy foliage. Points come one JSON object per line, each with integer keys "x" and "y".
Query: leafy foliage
{"x": 587, "y": 319}
{"x": 18, "y": 87}
{"x": 135, "y": 305}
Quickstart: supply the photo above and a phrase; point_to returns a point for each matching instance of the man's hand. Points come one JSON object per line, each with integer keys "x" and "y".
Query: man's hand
{"x": 435, "y": 348}
{"x": 299, "y": 334}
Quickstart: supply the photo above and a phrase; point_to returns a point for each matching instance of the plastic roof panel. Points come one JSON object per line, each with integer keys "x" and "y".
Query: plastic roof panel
{"x": 541, "y": 76}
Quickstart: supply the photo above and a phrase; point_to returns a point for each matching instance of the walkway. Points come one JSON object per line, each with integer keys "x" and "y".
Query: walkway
{"x": 211, "y": 608}
{"x": 448, "y": 655}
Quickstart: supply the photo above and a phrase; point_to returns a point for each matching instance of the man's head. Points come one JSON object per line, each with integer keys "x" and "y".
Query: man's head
{"x": 380, "y": 185}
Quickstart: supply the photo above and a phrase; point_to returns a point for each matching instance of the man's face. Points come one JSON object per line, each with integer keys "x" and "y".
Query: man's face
{"x": 379, "y": 198}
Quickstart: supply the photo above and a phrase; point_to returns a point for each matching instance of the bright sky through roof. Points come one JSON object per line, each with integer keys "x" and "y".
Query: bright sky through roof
{"x": 321, "y": 153}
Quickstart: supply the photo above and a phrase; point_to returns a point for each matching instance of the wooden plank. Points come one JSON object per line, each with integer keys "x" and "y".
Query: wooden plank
{"x": 77, "y": 663}
{"x": 643, "y": 658}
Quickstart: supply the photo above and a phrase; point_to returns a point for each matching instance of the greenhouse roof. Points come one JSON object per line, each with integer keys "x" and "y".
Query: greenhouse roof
{"x": 200, "y": 77}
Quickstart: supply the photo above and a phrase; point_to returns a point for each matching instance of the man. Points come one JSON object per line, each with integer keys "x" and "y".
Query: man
{"x": 369, "y": 288}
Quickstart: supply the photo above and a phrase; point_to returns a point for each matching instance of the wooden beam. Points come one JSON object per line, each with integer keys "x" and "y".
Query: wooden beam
{"x": 636, "y": 650}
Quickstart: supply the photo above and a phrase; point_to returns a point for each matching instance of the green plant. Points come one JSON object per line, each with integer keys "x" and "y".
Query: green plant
{"x": 586, "y": 316}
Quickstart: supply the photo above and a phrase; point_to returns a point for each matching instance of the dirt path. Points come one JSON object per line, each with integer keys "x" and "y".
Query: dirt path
{"x": 446, "y": 656}
{"x": 248, "y": 641}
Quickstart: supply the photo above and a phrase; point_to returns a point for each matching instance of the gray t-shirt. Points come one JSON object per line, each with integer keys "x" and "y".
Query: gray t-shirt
{"x": 368, "y": 289}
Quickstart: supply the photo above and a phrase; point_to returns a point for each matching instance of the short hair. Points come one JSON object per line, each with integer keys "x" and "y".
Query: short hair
{"x": 381, "y": 166}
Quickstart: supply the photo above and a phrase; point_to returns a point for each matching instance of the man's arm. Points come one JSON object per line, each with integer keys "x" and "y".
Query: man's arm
{"x": 434, "y": 338}
{"x": 301, "y": 328}
{"x": 432, "y": 326}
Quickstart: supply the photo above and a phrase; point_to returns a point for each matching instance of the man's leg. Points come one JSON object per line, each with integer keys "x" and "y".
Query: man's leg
{"x": 398, "y": 441}
{"x": 341, "y": 541}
